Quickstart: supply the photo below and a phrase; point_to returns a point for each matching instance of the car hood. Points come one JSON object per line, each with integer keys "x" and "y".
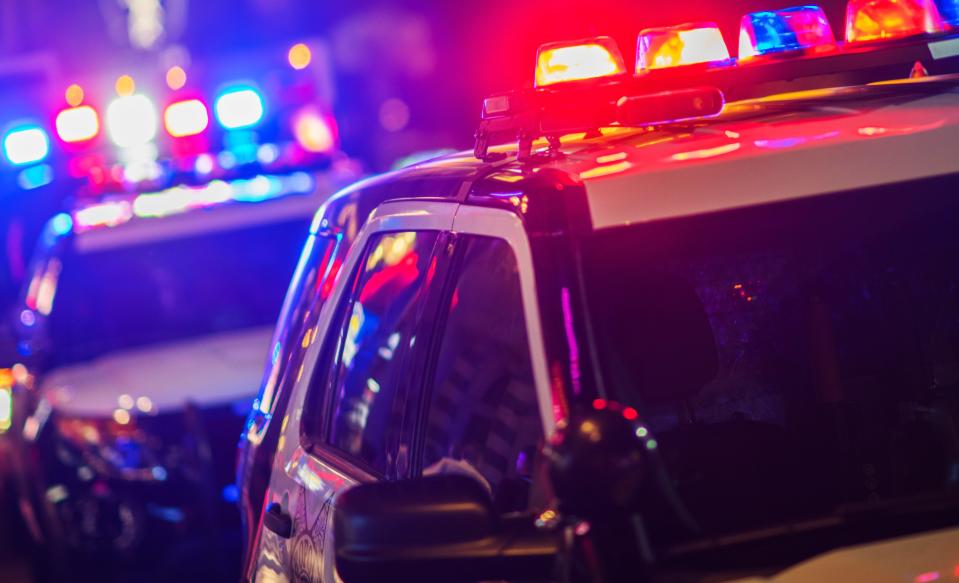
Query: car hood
{"x": 163, "y": 377}
{"x": 913, "y": 559}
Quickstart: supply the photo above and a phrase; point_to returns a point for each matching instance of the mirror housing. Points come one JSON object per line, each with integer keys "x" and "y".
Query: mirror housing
{"x": 436, "y": 528}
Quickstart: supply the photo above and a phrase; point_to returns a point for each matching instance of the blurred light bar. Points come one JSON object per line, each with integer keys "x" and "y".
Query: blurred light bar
{"x": 78, "y": 124}
{"x": 238, "y": 108}
{"x": 26, "y": 145}
{"x": 186, "y": 118}
{"x": 676, "y": 46}
{"x": 181, "y": 199}
{"x": 562, "y": 62}
{"x": 780, "y": 31}
{"x": 131, "y": 121}
{"x": 870, "y": 20}
{"x": 106, "y": 214}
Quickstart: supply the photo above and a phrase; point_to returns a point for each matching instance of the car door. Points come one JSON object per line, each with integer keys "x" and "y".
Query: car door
{"x": 347, "y": 420}
{"x": 322, "y": 255}
{"x": 486, "y": 403}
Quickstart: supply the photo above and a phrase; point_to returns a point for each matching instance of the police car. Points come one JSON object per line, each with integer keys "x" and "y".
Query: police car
{"x": 141, "y": 330}
{"x": 699, "y": 322}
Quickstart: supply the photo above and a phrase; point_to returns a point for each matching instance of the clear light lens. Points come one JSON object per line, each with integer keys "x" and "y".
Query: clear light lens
{"x": 674, "y": 46}
{"x": 792, "y": 29}
{"x": 869, "y": 20}
{"x": 131, "y": 121}
{"x": 239, "y": 108}
{"x": 26, "y": 145}
{"x": 78, "y": 124}
{"x": 591, "y": 59}
{"x": 186, "y": 118}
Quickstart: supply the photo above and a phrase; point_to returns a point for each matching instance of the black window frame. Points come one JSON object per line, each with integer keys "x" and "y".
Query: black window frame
{"x": 458, "y": 248}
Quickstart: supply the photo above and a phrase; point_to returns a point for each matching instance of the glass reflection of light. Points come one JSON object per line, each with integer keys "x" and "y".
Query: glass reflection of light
{"x": 706, "y": 152}
{"x": 350, "y": 345}
{"x": 605, "y": 170}
{"x": 871, "y": 131}
{"x": 386, "y": 352}
{"x": 47, "y": 290}
{"x": 391, "y": 250}
{"x": 610, "y": 158}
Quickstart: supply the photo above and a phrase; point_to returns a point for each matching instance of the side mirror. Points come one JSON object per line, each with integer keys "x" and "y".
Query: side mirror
{"x": 437, "y": 528}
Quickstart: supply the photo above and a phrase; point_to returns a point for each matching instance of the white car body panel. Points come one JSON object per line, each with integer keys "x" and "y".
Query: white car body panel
{"x": 921, "y": 558}
{"x": 743, "y": 163}
{"x": 207, "y": 370}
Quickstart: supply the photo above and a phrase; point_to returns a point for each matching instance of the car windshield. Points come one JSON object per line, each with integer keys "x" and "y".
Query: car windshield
{"x": 171, "y": 290}
{"x": 792, "y": 359}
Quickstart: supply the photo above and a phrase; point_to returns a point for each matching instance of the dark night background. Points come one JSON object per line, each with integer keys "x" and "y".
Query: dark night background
{"x": 473, "y": 48}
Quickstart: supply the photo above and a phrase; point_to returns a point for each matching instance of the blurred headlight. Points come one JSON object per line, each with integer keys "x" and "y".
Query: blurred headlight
{"x": 113, "y": 447}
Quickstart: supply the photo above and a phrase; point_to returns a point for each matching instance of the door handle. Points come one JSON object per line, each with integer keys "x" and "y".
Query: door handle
{"x": 278, "y": 522}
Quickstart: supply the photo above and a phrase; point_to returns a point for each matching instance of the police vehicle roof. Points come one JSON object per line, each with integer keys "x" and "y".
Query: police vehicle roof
{"x": 757, "y": 151}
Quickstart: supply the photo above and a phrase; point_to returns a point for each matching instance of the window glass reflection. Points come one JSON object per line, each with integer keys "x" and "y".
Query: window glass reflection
{"x": 383, "y": 312}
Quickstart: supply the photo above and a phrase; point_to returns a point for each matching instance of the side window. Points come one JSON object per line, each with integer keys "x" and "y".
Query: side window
{"x": 377, "y": 331}
{"x": 299, "y": 313}
{"x": 483, "y": 417}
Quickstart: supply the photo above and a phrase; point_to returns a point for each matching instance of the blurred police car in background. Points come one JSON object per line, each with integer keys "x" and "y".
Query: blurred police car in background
{"x": 147, "y": 308}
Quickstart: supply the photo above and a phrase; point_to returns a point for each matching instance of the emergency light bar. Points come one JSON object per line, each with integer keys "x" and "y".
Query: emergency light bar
{"x": 563, "y": 62}
{"x": 181, "y": 199}
{"x": 784, "y": 31}
{"x": 686, "y": 44}
{"x": 583, "y": 89}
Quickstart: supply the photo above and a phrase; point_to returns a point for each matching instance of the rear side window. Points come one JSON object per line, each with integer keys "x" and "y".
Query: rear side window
{"x": 377, "y": 330}
{"x": 483, "y": 417}
{"x": 304, "y": 298}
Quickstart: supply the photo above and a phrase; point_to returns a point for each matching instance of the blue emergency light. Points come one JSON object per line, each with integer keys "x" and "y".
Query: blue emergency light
{"x": 239, "y": 107}
{"x": 949, "y": 10}
{"x": 26, "y": 144}
{"x": 780, "y": 31}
